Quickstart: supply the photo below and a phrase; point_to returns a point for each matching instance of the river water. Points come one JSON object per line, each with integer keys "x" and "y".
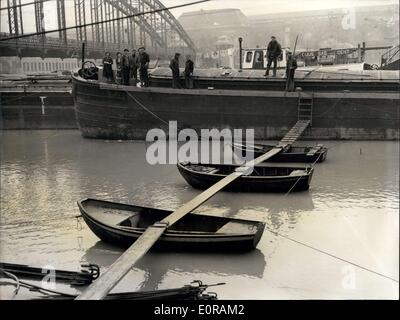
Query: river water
{"x": 339, "y": 240}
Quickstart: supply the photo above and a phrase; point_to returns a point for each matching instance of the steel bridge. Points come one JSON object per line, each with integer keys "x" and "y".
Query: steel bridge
{"x": 159, "y": 32}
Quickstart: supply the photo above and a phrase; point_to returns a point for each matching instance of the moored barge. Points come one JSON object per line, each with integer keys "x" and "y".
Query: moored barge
{"x": 344, "y": 105}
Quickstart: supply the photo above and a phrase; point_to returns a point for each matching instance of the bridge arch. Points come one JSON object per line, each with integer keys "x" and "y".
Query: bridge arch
{"x": 159, "y": 32}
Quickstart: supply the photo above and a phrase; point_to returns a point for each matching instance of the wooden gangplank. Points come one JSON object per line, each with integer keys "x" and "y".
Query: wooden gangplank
{"x": 109, "y": 279}
{"x": 294, "y": 133}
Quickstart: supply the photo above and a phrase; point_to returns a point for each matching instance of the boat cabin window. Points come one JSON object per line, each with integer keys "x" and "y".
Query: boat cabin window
{"x": 259, "y": 56}
{"x": 258, "y": 60}
{"x": 249, "y": 56}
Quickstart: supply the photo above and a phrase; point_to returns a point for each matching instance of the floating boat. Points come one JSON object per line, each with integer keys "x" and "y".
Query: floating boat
{"x": 264, "y": 178}
{"x": 306, "y": 154}
{"x": 344, "y": 106}
{"x": 121, "y": 224}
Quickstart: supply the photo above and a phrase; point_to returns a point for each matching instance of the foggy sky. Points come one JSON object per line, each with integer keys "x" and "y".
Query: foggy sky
{"x": 252, "y": 7}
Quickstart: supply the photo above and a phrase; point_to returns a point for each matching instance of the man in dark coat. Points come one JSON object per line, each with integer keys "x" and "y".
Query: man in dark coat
{"x": 135, "y": 65}
{"x": 189, "y": 68}
{"x": 108, "y": 73}
{"x": 118, "y": 62}
{"x": 291, "y": 66}
{"x": 126, "y": 65}
{"x": 274, "y": 50}
{"x": 174, "y": 66}
{"x": 144, "y": 60}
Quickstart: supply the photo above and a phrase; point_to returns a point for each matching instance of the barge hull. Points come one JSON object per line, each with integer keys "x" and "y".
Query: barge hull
{"x": 109, "y": 111}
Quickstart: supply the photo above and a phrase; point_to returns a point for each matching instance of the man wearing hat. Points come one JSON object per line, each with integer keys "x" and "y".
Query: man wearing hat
{"x": 126, "y": 65}
{"x": 274, "y": 50}
{"x": 174, "y": 66}
{"x": 134, "y": 67}
{"x": 189, "y": 68}
{"x": 144, "y": 60}
{"x": 291, "y": 66}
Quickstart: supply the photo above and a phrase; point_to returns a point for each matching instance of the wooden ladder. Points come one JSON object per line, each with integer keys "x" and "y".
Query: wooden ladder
{"x": 305, "y": 108}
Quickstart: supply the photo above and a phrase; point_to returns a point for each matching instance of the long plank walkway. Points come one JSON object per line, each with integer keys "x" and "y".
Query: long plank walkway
{"x": 109, "y": 279}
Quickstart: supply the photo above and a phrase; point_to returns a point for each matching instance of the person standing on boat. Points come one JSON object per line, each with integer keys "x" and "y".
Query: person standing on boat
{"x": 274, "y": 50}
{"x": 126, "y": 67}
{"x": 144, "y": 60}
{"x": 189, "y": 68}
{"x": 135, "y": 63}
{"x": 107, "y": 68}
{"x": 174, "y": 66}
{"x": 291, "y": 66}
{"x": 118, "y": 62}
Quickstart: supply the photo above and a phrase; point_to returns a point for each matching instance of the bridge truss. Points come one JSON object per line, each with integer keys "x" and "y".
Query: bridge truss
{"x": 159, "y": 32}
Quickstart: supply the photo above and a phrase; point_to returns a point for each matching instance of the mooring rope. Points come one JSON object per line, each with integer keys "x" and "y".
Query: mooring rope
{"x": 322, "y": 251}
{"x": 332, "y": 255}
{"x": 30, "y": 286}
{"x": 146, "y": 109}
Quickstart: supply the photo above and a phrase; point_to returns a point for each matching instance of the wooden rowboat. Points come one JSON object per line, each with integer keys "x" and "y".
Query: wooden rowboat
{"x": 306, "y": 154}
{"x": 264, "y": 178}
{"x": 121, "y": 224}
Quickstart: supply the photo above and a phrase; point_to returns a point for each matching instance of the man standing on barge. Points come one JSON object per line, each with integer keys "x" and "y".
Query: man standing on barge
{"x": 144, "y": 60}
{"x": 126, "y": 64}
{"x": 291, "y": 66}
{"x": 189, "y": 68}
{"x": 134, "y": 68}
{"x": 174, "y": 66}
{"x": 274, "y": 50}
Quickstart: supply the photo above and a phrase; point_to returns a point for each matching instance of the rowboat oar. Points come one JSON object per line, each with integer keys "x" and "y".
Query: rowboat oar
{"x": 109, "y": 279}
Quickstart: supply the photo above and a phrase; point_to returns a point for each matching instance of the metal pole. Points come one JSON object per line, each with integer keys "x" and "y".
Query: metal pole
{"x": 83, "y": 52}
{"x": 363, "y": 52}
{"x": 240, "y": 54}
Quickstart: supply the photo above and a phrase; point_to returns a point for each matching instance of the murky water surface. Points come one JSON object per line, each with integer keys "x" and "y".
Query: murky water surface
{"x": 350, "y": 212}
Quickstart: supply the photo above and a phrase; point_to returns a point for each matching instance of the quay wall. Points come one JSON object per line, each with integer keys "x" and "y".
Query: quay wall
{"x": 37, "y": 110}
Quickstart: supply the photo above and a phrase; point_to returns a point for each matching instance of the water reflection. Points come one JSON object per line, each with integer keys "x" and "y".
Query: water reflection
{"x": 157, "y": 264}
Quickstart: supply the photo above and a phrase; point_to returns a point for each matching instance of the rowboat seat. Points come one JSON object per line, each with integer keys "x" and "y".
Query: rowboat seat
{"x": 234, "y": 227}
{"x": 296, "y": 172}
{"x": 109, "y": 216}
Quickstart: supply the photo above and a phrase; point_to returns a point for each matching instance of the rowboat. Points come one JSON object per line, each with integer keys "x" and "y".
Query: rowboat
{"x": 264, "y": 177}
{"x": 306, "y": 154}
{"x": 121, "y": 224}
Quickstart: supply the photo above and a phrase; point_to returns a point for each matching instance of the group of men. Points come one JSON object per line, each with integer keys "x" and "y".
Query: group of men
{"x": 188, "y": 73}
{"x": 128, "y": 64}
{"x": 274, "y": 51}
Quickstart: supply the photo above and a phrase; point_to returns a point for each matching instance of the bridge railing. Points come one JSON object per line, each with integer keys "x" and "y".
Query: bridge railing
{"x": 391, "y": 55}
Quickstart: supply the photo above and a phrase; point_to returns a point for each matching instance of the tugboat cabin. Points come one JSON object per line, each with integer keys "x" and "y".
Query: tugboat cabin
{"x": 257, "y": 58}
